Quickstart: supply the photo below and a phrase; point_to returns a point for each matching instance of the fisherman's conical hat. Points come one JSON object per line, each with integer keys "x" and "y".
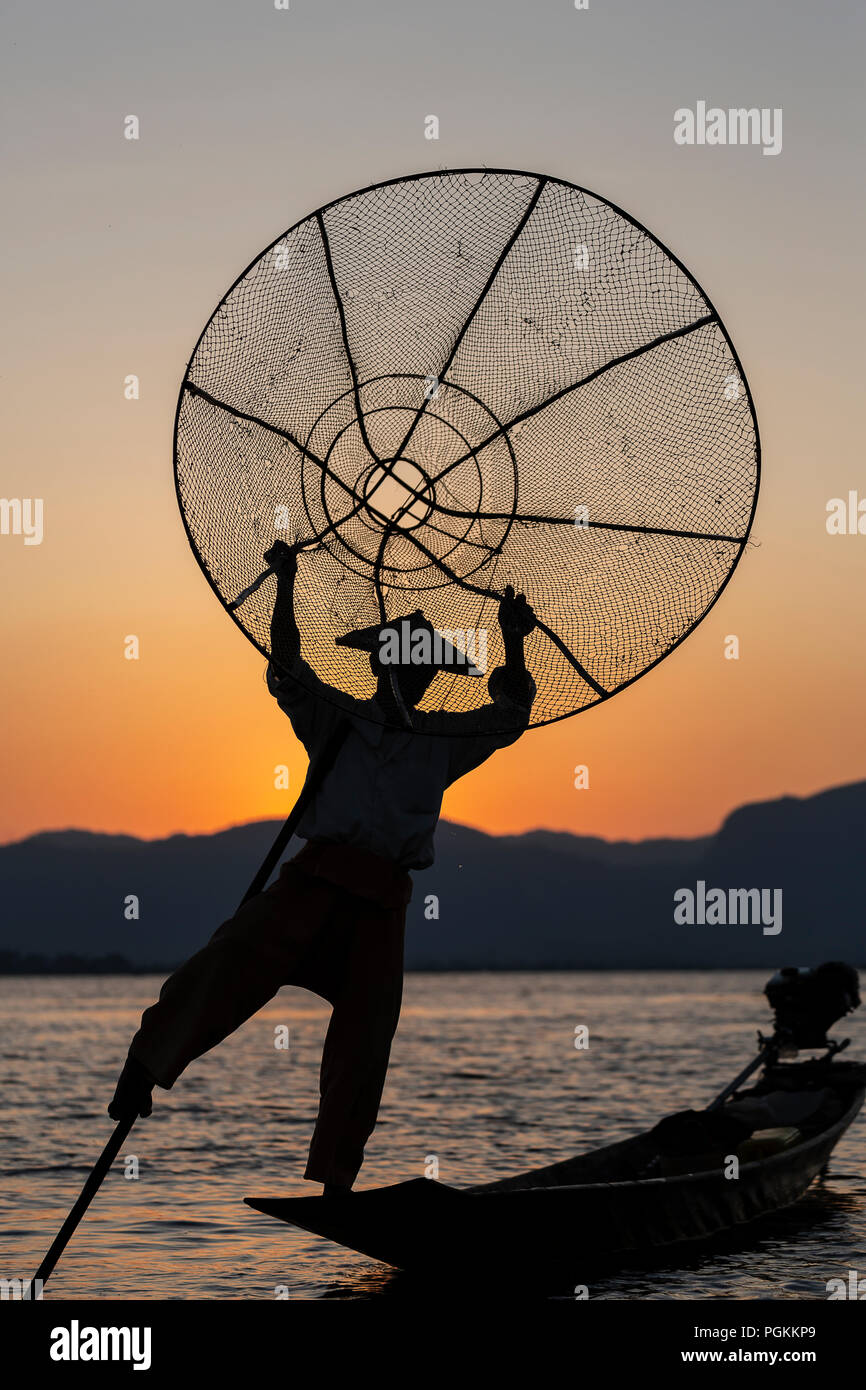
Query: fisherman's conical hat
{"x": 444, "y": 655}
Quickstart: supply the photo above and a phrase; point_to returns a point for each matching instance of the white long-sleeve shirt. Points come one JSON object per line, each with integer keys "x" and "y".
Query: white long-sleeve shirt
{"x": 384, "y": 791}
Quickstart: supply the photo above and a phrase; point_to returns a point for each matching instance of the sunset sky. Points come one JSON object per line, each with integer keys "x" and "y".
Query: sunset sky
{"x": 118, "y": 251}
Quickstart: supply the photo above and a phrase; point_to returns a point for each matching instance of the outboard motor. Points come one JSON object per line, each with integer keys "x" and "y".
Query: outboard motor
{"x": 806, "y": 1002}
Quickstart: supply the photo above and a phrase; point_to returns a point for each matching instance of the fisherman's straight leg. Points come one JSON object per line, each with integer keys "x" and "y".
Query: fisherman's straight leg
{"x": 358, "y": 1043}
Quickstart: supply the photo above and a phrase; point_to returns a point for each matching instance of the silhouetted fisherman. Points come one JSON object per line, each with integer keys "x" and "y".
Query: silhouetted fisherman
{"x": 333, "y": 921}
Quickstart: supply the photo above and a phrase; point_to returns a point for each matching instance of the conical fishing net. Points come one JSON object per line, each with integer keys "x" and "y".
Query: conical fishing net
{"x": 458, "y": 381}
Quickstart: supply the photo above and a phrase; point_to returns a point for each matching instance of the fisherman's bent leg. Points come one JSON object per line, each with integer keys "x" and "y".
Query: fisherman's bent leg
{"x": 358, "y": 1044}
{"x": 242, "y": 966}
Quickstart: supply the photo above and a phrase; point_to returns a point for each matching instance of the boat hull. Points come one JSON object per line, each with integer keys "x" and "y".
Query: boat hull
{"x": 425, "y": 1224}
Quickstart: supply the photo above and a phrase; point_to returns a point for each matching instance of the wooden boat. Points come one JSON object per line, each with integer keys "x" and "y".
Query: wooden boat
{"x": 604, "y": 1206}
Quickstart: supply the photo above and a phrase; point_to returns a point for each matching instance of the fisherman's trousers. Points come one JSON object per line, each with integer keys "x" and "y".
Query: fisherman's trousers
{"x": 333, "y": 922}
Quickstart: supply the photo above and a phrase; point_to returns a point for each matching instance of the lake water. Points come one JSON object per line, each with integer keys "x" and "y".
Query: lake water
{"x": 484, "y": 1076}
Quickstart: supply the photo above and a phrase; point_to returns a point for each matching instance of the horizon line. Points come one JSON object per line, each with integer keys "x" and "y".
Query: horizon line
{"x": 460, "y": 825}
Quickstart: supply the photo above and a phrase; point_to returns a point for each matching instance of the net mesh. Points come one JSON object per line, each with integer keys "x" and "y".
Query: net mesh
{"x": 459, "y": 381}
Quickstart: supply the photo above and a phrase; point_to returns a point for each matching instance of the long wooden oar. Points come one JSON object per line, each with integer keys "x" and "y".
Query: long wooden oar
{"x": 317, "y": 770}
{"x": 88, "y": 1192}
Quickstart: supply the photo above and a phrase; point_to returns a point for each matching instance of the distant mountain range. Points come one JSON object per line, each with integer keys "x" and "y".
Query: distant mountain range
{"x": 542, "y": 900}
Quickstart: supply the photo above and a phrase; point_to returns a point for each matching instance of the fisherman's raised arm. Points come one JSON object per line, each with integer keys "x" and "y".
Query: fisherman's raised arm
{"x": 516, "y": 621}
{"x": 309, "y": 703}
{"x": 478, "y": 733}
{"x": 285, "y": 636}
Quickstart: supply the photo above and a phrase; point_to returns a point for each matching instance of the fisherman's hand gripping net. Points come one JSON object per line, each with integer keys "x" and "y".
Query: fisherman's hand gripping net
{"x": 458, "y": 381}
